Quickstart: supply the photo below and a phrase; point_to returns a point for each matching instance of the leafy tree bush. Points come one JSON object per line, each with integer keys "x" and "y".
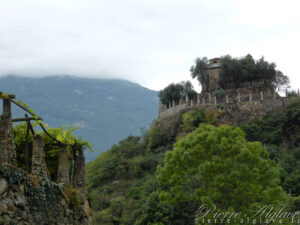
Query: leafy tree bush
{"x": 238, "y": 72}
{"x": 191, "y": 119}
{"x": 161, "y": 136}
{"x": 51, "y": 147}
{"x": 280, "y": 128}
{"x": 280, "y": 133}
{"x": 220, "y": 94}
{"x": 175, "y": 92}
{"x": 216, "y": 165}
{"x": 291, "y": 171}
{"x": 281, "y": 81}
{"x": 155, "y": 213}
{"x": 199, "y": 71}
{"x": 292, "y": 94}
{"x": 211, "y": 117}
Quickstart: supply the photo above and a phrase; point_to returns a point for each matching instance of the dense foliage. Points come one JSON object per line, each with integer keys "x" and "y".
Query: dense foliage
{"x": 216, "y": 165}
{"x": 175, "y": 92}
{"x": 191, "y": 119}
{"x": 51, "y": 147}
{"x": 236, "y": 72}
{"x": 199, "y": 71}
{"x": 280, "y": 132}
{"x": 121, "y": 179}
{"x": 240, "y": 72}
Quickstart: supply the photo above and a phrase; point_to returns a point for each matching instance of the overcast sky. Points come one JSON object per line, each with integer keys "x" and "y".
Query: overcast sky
{"x": 151, "y": 42}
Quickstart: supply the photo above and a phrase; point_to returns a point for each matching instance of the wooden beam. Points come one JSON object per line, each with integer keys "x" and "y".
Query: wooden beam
{"x": 22, "y": 119}
{"x": 30, "y": 126}
{"x": 53, "y": 138}
{"x": 22, "y": 107}
{"x": 10, "y": 96}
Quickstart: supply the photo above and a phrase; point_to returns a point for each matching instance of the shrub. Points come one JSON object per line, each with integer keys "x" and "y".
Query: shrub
{"x": 157, "y": 136}
{"x": 190, "y": 120}
{"x": 220, "y": 94}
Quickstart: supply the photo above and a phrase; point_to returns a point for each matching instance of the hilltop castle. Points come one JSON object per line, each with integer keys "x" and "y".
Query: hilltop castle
{"x": 256, "y": 97}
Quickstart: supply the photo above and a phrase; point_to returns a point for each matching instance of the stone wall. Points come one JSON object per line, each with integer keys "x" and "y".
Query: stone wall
{"x": 31, "y": 200}
{"x": 242, "y": 99}
{"x": 6, "y": 142}
{"x": 233, "y": 114}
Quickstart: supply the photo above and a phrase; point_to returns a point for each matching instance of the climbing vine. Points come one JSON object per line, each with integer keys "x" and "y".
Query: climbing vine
{"x": 4, "y": 95}
{"x": 55, "y": 139}
{"x": 40, "y": 192}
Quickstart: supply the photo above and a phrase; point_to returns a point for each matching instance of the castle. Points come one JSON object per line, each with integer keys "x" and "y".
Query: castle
{"x": 255, "y": 97}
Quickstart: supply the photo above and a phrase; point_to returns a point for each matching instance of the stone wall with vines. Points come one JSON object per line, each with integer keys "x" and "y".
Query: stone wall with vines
{"x": 27, "y": 199}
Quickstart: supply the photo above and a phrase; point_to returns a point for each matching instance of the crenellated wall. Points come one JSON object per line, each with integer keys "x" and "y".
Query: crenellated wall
{"x": 243, "y": 99}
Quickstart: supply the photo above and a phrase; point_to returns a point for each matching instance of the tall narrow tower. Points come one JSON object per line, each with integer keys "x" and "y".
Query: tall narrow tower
{"x": 213, "y": 72}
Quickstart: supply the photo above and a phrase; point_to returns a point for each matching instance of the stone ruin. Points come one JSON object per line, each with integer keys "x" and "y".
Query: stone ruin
{"x": 11, "y": 210}
{"x": 38, "y": 154}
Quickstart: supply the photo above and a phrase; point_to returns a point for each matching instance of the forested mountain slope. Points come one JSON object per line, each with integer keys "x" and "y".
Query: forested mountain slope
{"x": 105, "y": 110}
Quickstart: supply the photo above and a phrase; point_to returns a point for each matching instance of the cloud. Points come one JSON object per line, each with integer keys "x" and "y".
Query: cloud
{"x": 150, "y": 42}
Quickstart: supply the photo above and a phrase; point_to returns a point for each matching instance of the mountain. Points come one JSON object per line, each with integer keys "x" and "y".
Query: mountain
{"x": 104, "y": 110}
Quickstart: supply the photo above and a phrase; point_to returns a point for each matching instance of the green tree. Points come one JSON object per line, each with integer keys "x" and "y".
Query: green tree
{"x": 236, "y": 72}
{"x": 216, "y": 165}
{"x": 155, "y": 213}
{"x": 199, "y": 71}
{"x": 220, "y": 94}
{"x": 190, "y": 120}
{"x": 281, "y": 81}
{"x": 175, "y": 92}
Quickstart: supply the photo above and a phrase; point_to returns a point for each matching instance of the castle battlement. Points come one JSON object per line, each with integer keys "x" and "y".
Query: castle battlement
{"x": 264, "y": 99}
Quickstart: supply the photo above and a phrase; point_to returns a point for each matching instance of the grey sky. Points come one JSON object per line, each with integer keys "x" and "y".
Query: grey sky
{"x": 151, "y": 42}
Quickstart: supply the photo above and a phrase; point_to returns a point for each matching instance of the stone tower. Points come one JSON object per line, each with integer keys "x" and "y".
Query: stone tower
{"x": 213, "y": 71}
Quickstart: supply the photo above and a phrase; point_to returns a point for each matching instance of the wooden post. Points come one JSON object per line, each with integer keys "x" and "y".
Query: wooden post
{"x": 227, "y": 100}
{"x": 261, "y": 95}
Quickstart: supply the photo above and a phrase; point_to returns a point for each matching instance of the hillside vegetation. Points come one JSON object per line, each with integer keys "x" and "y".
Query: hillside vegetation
{"x": 163, "y": 176}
